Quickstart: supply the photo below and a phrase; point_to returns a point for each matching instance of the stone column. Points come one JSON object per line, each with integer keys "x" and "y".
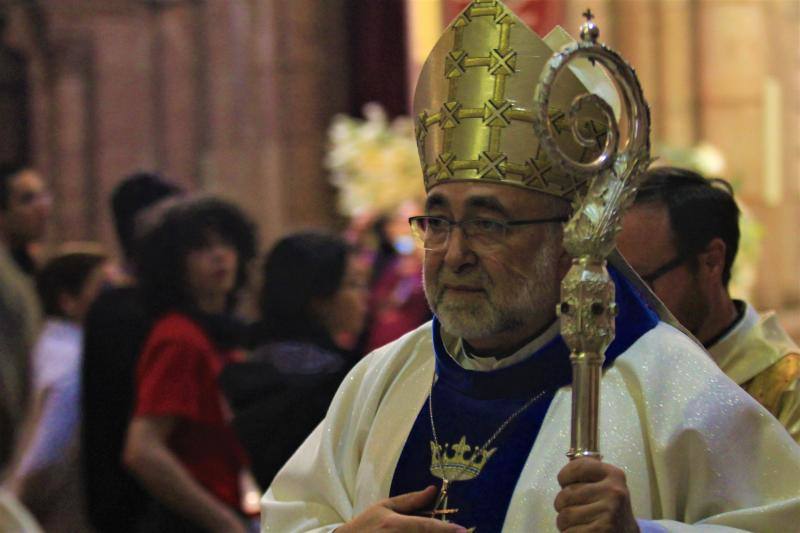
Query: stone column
{"x": 746, "y": 55}
{"x": 123, "y": 99}
{"x": 677, "y": 91}
{"x": 177, "y": 67}
{"x": 229, "y": 97}
{"x": 75, "y": 208}
{"x": 277, "y": 75}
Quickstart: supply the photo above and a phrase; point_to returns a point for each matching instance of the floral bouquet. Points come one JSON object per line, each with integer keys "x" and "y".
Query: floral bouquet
{"x": 373, "y": 162}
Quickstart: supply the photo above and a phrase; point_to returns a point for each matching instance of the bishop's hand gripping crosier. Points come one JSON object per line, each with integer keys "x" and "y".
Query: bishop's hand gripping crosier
{"x": 587, "y": 309}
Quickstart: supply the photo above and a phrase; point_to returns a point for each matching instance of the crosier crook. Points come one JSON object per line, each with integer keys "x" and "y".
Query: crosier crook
{"x": 587, "y": 308}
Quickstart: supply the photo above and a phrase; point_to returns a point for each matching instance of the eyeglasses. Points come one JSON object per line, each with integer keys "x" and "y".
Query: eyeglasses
{"x": 483, "y": 233}
{"x": 669, "y": 266}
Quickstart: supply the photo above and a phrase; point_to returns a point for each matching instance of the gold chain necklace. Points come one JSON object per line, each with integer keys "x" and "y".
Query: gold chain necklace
{"x": 440, "y": 509}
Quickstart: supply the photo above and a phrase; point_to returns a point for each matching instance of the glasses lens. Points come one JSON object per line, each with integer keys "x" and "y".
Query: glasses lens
{"x": 417, "y": 228}
{"x": 430, "y": 231}
{"x": 484, "y": 232}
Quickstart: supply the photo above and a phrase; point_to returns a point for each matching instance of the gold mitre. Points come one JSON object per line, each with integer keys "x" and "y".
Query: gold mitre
{"x": 474, "y": 107}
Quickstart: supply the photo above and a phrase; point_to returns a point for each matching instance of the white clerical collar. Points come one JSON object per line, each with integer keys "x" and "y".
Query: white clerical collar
{"x": 747, "y": 319}
{"x": 457, "y": 350}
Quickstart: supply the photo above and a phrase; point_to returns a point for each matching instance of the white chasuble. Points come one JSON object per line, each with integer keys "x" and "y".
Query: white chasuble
{"x": 698, "y": 452}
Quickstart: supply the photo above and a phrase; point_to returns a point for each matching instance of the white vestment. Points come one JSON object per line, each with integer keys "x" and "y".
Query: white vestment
{"x": 698, "y": 452}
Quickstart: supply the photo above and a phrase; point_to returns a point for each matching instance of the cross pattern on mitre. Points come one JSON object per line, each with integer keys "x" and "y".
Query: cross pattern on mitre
{"x": 498, "y": 112}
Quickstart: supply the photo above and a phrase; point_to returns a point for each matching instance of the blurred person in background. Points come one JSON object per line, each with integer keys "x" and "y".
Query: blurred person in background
{"x": 372, "y": 165}
{"x": 180, "y": 443}
{"x": 681, "y": 236}
{"x": 46, "y": 478}
{"x": 314, "y": 293}
{"x": 115, "y": 329}
{"x": 25, "y": 206}
{"x": 19, "y": 324}
{"x": 19, "y": 328}
{"x": 397, "y": 302}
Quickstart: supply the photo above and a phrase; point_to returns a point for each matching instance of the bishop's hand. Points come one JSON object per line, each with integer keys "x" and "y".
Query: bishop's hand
{"x": 594, "y": 497}
{"x": 396, "y": 514}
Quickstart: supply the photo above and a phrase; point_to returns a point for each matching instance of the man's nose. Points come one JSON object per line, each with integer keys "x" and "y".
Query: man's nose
{"x": 458, "y": 253}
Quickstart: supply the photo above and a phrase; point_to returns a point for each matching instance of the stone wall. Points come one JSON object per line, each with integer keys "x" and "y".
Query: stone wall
{"x": 227, "y": 97}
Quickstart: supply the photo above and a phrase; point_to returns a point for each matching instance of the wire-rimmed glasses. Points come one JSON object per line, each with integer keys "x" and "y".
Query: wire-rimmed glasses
{"x": 433, "y": 232}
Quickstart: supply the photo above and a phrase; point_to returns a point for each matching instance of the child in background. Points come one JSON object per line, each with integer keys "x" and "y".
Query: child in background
{"x": 180, "y": 443}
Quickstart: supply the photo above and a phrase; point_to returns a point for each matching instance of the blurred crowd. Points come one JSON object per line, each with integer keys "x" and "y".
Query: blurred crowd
{"x": 138, "y": 392}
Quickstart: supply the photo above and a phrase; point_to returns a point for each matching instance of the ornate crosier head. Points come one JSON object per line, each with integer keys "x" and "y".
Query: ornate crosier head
{"x": 474, "y": 105}
{"x": 614, "y": 171}
{"x": 587, "y": 310}
{"x": 458, "y": 462}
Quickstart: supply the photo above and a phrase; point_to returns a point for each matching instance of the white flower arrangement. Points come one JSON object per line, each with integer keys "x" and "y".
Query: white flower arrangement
{"x": 373, "y": 162}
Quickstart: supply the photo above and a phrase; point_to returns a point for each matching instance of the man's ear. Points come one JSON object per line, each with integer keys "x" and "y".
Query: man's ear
{"x": 712, "y": 259}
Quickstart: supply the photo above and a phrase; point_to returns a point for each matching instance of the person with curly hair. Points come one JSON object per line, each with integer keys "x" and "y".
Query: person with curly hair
{"x": 180, "y": 443}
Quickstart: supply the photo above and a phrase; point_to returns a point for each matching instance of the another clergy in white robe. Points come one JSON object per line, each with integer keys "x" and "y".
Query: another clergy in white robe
{"x": 681, "y": 235}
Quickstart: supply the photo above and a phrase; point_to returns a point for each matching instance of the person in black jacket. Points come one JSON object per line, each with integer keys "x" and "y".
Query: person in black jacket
{"x": 314, "y": 296}
{"x": 115, "y": 329}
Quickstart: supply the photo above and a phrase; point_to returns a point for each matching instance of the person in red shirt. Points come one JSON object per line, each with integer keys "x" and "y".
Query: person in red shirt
{"x": 180, "y": 442}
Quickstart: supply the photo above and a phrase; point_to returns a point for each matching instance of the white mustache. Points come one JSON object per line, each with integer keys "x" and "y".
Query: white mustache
{"x": 476, "y": 277}
{"x": 472, "y": 279}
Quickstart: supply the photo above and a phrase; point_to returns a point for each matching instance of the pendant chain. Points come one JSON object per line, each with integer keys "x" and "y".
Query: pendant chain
{"x": 482, "y": 449}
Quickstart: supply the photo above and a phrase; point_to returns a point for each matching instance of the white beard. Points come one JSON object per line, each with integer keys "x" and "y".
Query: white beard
{"x": 526, "y": 297}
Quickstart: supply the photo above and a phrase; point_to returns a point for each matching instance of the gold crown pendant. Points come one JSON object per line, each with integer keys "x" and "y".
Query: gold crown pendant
{"x": 459, "y": 460}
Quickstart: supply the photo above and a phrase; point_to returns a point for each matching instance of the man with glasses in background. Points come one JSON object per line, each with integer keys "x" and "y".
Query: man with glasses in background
{"x": 681, "y": 236}
{"x": 25, "y": 205}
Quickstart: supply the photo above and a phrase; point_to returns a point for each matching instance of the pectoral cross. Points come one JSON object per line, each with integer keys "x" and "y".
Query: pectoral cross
{"x": 440, "y": 510}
